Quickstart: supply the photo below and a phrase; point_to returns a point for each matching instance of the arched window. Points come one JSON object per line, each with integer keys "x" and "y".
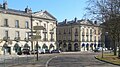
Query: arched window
{"x": 44, "y": 46}
{"x": 16, "y": 47}
{"x": 26, "y": 46}
{"x": 51, "y": 46}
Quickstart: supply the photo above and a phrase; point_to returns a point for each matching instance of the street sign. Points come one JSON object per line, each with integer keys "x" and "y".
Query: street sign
{"x": 35, "y": 37}
{"x": 38, "y": 28}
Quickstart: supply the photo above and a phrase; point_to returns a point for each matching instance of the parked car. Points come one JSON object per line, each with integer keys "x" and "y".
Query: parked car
{"x": 26, "y": 51}
{"x": 41, "y": 51}
{"x": 99, "y": 49}
{"x": 19, "y": 53}
{"x": 34, "y": 52}
{"x": 55, "y": 51}
{"x": 47, "y": 51}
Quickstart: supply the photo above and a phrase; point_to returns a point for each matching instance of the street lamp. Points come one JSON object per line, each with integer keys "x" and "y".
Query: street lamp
{"x": 37, "y": 36}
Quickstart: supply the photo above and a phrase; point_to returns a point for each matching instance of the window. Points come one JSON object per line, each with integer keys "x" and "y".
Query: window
{"x": 90, "y": 37}
{"x": 52, "y": 39}
{"x": 64, "y": 31}
{"x": 6, "y": 33}
{"x": 26, "y": 34}
{"x": 76, "y": 32}
{"x": 83, "y": 32}
{"x": 26, "y": 24}
{"x": 17, "y": 34}
{"x": 17, "y": 23}
{"x": 87, "y": 32}
{"x": 87, "y": 38}
{"x": 69, "y": 31}
{"x": 83, "y": 38}
{"x": 95, "y": 38}
{"x": 95, "y": 31}
{"x": 90, "y": 31}
{"x": 45, "y": 28}
{"x": 6, "y": 22}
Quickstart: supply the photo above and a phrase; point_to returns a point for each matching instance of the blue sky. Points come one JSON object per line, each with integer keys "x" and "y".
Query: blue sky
{"x": 61, "y": 9}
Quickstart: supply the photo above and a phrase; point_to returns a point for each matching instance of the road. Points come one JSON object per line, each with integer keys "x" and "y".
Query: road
{"x": 65, "y": 59}
{"x": 85, "y": 59}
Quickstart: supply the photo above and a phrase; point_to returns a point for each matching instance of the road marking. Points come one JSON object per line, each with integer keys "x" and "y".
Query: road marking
{"x": 49, "y": 61}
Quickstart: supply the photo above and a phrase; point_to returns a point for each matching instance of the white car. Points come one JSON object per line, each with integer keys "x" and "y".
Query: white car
{"x": 41, "y": 51}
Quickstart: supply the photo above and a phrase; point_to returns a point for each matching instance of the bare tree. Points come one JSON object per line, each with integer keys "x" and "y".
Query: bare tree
{"x": 108, "y": 12}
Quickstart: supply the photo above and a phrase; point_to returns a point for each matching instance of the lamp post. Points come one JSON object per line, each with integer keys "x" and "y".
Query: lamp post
{"x": 37, "y": 36}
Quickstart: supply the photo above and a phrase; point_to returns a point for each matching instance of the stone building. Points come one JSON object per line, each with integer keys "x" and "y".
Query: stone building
{"x": 48, "y": 34}
{"x": 16, "y": 27}
{"x": 78, "y": 35}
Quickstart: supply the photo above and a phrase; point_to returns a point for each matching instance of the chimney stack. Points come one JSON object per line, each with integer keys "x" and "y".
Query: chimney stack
{"x": 75, "y": 20}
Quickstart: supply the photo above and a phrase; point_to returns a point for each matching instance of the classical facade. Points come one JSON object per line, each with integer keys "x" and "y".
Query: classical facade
{"x": 16, "y": 27}
{"x": 47, "y": 38}
{"x": 78, "y": 35}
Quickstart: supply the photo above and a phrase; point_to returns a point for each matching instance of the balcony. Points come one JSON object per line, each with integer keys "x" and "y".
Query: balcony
{"x": 6, "y": 25}
{"x": 17, "y": 38}
{"x": 51, "y": 32}
{"x": 45, "y": 39}
{"x": 27, "y": 39}
{"x": 6, "y": 38}
{"x": 76, "y": 40}
{"x": 76, "y": 33}
{"x": 51, "y": 39}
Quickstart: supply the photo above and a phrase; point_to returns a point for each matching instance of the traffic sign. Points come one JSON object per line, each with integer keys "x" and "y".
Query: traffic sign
{"x": 38, "y": 28}
{"x": 35, "y": 37}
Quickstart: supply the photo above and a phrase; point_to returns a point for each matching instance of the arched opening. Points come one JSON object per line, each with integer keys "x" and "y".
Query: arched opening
{"x": 95, "y": 45}
{"x": 64, "y": 45}
{"x": 69, "y": 47}
{"x": 45, "y": 47}
{"x": 6, "y": 48}
{"x": 76, "y": 47}
{"x": 17, "y": 48}
{"x": 91, "y": 46}
{"x": 51, "y": 46}
{"x": 26, "y": 46}
{"x": 99, "y": 45}
{"x": 87, "y": 46}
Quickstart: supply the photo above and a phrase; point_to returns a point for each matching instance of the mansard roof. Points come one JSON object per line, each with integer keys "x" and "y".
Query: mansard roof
{"x": 78, "y": 22}
{"x": 14, "y": 11}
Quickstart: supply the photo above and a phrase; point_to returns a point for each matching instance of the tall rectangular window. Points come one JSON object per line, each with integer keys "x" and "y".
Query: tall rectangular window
{"x": 26, "y": 34}
{"x": 6, "y": 22}
{"x": 17, "y": 34}
{"x": 17, "y": 23}
{"x": 6, "y": 33}
{"x": 26, "y": 24}
{"x": 83, "y": 38}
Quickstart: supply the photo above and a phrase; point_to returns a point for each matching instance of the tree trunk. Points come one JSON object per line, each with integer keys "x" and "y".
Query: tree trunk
{"x": 115, "y": 48}
{"x": 119, "y": 52}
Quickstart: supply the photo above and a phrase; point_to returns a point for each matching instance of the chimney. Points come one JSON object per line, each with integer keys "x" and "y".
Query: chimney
{"x": 75, "y": 20}
{"x": 5, "y": 5}
{"x": 65, "y": 21}
{"x": 95, "y": 22}
{"x": 26, "y": 10}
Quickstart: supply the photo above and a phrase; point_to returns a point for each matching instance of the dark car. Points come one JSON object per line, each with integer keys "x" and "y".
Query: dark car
{"x": 19, "y": 53}
{"x": 34, "y": 52}
{"x": 47, "y": 51}
{"x": 55, "y": 51}
{"x": 26, "y": 51}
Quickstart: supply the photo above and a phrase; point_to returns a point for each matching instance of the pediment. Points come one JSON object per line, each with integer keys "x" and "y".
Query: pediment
{"x": 44, "y": 14}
